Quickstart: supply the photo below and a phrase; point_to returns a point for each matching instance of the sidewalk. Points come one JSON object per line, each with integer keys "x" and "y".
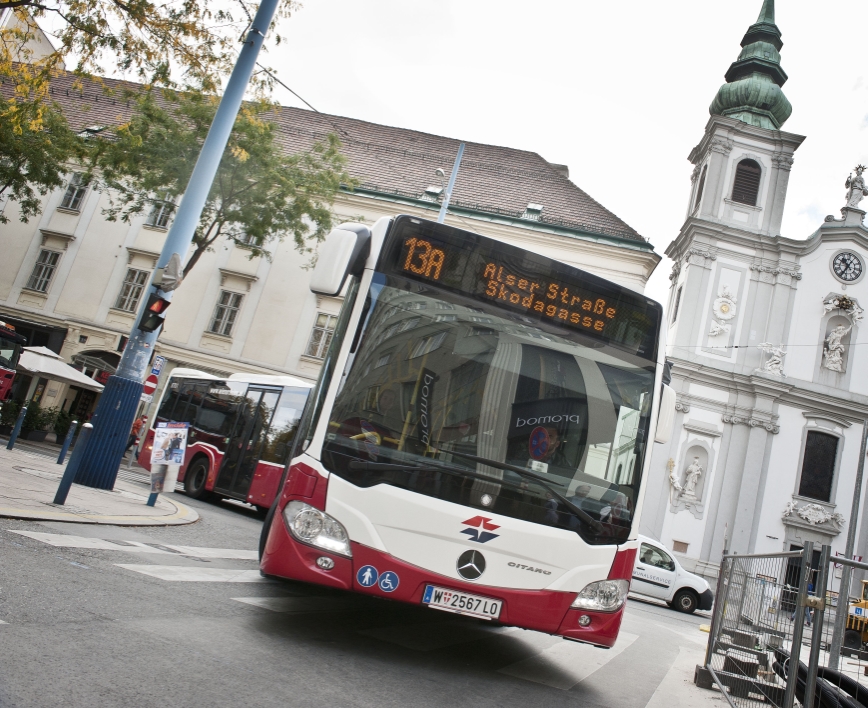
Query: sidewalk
{"x": 28, "y": 483}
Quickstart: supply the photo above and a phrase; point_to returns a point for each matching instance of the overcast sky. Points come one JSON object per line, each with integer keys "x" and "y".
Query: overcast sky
{"x": 618, "y": 91}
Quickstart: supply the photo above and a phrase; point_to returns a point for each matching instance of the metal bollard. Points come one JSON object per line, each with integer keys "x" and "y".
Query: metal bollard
{"x": 17, "y": 429}
{"x": 67, "y": 442}
{"x": 74, "y": 462}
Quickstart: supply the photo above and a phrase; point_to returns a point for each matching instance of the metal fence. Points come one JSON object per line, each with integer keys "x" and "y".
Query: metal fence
{"x": 779, "y": 611}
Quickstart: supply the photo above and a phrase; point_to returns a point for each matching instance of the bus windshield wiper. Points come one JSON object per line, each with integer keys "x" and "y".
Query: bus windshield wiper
{"x": 539, "y": 479}
{"x": 365, "y": 466}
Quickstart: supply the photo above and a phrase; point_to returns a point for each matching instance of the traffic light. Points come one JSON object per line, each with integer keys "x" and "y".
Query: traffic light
{"x": 154, "y": 313}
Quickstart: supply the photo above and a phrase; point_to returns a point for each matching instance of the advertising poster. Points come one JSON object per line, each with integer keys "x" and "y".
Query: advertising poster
{"x": 170, "y": 444}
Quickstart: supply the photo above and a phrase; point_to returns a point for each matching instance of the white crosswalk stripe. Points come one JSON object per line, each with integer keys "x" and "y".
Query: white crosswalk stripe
{"x": 180, "y": 573}
{"x": 565, "y": 664}
{"x": 60, "y": 540}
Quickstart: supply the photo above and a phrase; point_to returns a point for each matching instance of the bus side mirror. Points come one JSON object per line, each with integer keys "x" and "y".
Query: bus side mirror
{"x": 344, "y": 252}
{"x": 666, "y": 415}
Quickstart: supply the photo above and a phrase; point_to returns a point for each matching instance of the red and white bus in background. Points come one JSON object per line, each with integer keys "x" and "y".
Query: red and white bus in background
{"x": 241, "y": 431}
{"x": 10, "y": 351}
{"x": 479, "y": 433}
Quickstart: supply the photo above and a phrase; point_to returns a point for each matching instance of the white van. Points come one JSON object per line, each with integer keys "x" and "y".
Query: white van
{"x": 657, "y": 574}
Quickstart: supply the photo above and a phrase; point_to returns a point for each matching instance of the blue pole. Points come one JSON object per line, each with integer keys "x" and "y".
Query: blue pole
{"x": 66, "y": 443}
{"x": 17, "y": 429}
{"x": 444, "y": 207}
{"x": 116, "y": 410}
{"x": 74, "y": 462}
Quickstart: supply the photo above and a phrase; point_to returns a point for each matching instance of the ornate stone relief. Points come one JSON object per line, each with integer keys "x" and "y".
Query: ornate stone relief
{"x": 722, "y": 145}
{"x": 724, "y": 309}
{"x": 849, "y": 306}
{"x": 814, "y": 515}
{"x": 685, "y": 493}
{"x": 695, "y": 174}
{"x": 682, "y": 406}
{"x": 782, "y": 161}
{"x": 834, "y": 349}
{"x": 776, "y": 271}
{"x": 774, "y": 365}
{"x": 770, "y": 426}
{"x": 855, "y": 188}
{"x": 676, "y": 269}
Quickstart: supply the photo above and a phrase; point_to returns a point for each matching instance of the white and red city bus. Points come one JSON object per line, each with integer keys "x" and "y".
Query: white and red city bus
{"x": 479, "y": 433}
{"x": 10, "y": 351}
{"x": 240, "y": 435}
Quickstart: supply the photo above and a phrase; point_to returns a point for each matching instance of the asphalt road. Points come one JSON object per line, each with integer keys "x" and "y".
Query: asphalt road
{"x": 131, "y": 621}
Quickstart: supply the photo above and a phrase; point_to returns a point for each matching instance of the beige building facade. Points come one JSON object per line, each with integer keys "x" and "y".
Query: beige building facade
{"x": 72, "y": 280}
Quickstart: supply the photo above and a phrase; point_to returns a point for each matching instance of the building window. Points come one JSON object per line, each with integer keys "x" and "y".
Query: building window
{"x": 75, "y": 191}
{"x": 43, "y": 271}
{"x": 225, "y": 313}
{"x": 745, "y": 187}
{"x": 131, "y": 292}
{"x": 699, "y": 189}
{"x": 321, "y": 337}
{"x": 426, "y": 345}
{"x": 818, "y": 466}
{"x": 677, "y": 303}
{"x": 161, "y": 213}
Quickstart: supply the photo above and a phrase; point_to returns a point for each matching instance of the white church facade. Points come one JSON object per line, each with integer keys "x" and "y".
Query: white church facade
{"x": 766, "y": 338}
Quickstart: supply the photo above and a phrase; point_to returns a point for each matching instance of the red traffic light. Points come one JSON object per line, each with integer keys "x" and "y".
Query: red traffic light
{"x": 152, "y": 318}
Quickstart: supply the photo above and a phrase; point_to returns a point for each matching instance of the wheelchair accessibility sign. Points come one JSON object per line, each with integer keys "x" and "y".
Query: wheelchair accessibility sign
{"x": 368, "y": 576}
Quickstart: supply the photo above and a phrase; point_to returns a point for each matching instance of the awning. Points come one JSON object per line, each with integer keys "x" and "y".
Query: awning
{"x": 41, "y": 361}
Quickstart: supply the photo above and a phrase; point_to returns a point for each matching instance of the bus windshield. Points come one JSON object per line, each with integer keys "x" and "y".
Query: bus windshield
{"x": 438, "y": 375}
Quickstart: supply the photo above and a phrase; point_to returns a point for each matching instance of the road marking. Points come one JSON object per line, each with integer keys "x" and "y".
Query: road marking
{"x": 303, "y": 604}
{"x": 433, "y": 636}
{"x": 566, "y": 663}
{"x": 175, "y": 573}
{"x": 67, "y": 541}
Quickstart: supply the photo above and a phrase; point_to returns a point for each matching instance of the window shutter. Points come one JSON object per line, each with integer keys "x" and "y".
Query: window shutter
{"x": 745, "y": 188}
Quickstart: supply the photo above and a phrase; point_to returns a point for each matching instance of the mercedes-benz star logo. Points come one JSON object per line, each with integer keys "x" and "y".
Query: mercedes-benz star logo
{"x": 471, "y": 564}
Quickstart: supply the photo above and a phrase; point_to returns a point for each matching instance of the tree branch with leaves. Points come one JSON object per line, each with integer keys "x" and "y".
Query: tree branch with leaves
{"x": 261, "y": 195}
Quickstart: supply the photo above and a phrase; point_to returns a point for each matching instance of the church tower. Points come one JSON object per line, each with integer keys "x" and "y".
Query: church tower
{"x": 731, "y": 291}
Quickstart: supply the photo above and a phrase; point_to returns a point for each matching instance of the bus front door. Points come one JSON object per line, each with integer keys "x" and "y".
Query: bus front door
{"x": 245, "y": 443}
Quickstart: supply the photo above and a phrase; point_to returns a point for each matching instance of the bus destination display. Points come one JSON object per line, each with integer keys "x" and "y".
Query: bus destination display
{"x": 485, "y": 276}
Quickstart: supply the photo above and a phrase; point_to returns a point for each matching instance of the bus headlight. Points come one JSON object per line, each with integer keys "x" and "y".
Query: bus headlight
{"x": 312, "y": 526}
{"x": 602, "y": 596}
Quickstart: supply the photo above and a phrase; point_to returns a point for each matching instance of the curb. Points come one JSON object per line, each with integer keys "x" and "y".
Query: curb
{"x": 183, "y": 515}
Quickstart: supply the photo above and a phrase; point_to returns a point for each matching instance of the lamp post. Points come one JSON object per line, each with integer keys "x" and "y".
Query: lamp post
{"x": 117, "y": 407}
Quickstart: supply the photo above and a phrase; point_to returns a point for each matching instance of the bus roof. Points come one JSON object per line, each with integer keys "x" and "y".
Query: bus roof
{"x": 267, "y": 379}
{"x": 263, "y": 379}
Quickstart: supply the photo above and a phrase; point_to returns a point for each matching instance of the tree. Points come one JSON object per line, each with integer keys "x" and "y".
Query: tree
{"x": 33, "y": 152}
{"x": 186, "y": 44}
{"x": 260, "y": 194}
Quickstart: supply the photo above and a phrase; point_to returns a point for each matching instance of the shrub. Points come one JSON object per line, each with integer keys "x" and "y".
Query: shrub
{"x": 9, "y": 414}
{"x": 61, "y": 424}
{"x": 38, "y": 418}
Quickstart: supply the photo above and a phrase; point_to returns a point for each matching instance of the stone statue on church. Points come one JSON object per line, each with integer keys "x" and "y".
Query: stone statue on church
{"x": 775, "y": 363}
{"x": 691, "y": 479}
{"x": 833, "y": 351}
{"x": 856, "y": 188}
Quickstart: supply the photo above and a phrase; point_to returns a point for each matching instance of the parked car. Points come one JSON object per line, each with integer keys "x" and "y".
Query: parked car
{"x": 657, "y": 574}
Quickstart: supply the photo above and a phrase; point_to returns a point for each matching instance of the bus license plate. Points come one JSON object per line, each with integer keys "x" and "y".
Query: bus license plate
{"x": 461, "y": 603}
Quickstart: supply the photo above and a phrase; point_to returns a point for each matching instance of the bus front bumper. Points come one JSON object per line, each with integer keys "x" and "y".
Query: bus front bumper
{"x": 546, "y": 611}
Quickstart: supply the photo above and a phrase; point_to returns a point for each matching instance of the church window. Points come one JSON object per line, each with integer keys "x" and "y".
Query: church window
{"x": 745, "y": 188}
{"x": 818, "y": 466}
{"x": 677, "y": 303}
{"x": 700, "y": 188}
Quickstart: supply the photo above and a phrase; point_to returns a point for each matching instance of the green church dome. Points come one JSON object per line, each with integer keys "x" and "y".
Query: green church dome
{"x": 752, "y": 92}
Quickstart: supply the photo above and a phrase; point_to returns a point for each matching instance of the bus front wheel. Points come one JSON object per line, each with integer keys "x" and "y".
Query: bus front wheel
{"x": 194, "y": 480}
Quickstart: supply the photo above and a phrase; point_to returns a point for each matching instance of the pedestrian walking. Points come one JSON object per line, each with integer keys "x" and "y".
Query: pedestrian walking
{"x": 135, "y": 431}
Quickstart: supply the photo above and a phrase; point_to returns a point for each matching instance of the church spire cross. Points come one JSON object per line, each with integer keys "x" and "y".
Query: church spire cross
{"x": 752, "y": 92}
